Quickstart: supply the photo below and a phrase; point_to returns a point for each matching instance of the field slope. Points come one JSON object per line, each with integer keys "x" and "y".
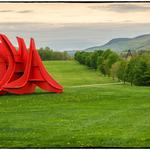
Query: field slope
{"x": 106, "y": 115}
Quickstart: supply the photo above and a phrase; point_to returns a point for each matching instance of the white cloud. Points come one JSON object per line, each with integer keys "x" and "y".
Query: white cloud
{"x": 59, "y": 13}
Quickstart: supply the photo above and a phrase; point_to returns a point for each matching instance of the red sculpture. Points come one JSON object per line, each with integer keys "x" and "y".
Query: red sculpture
{"x": 21, "y": 71}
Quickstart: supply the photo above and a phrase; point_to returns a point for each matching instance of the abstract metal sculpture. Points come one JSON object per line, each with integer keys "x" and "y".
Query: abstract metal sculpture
{"x": 22, "y": 70}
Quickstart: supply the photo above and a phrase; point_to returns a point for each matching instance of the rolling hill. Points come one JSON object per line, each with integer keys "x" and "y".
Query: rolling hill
{"x": 119, "y": 44}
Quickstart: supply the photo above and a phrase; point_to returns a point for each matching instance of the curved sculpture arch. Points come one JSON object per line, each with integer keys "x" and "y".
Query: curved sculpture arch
{"x": 21, "y": 71}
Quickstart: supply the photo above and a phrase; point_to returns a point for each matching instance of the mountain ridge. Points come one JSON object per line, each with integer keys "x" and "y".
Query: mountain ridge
{"x": 141, "y": 42}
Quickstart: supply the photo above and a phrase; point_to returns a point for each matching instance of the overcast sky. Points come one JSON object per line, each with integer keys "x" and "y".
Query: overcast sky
{"x": 66, "y": 26}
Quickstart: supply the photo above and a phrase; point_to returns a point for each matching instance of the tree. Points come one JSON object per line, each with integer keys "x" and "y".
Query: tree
{"x": 48, "y": 54}
{"x": 94, "y": 58}
{"x": 112, "y": 58}
{"x": 121, "y": 72}
{"x": 106, "y": 60}
{"x": 88, "y": 59}
{"x": 130, "y": 71}
{"x": 114, "y": 70}
{"x": 142, "y": 70}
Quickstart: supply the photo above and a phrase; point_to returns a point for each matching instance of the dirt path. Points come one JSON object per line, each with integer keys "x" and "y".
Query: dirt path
{"x": 94, "y": 85}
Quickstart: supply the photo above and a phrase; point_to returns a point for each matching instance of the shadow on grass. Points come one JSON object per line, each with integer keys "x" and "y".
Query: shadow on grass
{"x": 32, "y": 94}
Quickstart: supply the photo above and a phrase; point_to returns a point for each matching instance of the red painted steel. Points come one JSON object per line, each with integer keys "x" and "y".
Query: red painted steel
{"x": 21, "y": 71}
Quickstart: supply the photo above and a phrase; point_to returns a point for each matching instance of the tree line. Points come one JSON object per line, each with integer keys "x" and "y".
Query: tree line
{"x": 135, "y": 70}
{"x": 48, "y": 54}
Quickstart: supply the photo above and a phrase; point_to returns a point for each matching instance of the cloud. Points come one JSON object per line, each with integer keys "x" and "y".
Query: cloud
{"x": 122, "y": 8}
{"x": 3, "y": 11}
{"x": 128, "y": 21}
{"x": 24, "y": 11}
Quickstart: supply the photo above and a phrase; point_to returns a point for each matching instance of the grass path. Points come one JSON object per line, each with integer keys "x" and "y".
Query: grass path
{"x": 95, "y": 85}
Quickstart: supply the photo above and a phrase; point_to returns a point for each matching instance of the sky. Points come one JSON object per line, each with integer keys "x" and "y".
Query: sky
{"x": 73, "y": 26}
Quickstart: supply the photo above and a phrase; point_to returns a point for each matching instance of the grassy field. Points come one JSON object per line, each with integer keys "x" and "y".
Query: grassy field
{"x": 70, "y": 73}
{"x": 95, "y": 116}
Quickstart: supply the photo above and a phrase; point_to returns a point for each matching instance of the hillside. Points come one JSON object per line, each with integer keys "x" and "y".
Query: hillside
{"x": 119, "y": 44}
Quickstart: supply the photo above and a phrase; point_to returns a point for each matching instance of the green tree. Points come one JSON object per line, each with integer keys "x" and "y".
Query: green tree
{"x": 121, "y": 72}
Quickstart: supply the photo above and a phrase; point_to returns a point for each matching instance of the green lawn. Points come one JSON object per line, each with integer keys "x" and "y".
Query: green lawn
{"x": 70, "y": 73}
{"x": 98, "y": 116}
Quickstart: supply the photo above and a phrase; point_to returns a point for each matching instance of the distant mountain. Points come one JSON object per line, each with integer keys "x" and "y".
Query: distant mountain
{"x": 119, "y": 44}
{"x": 71, "y": 53}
